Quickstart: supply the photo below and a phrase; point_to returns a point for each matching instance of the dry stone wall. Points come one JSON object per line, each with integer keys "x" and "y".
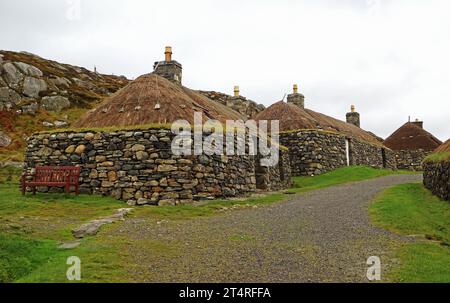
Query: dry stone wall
{"x": 411, "y": 159}
{"x": 140, "y": 168}
{"x": 313, "y": 152}
{"x": 436, "y": 177}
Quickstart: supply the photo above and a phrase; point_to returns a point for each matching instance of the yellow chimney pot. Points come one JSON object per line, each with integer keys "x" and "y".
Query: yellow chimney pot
{"x": 236, "y": 91}
{"x": 168, "y": 53}
{"x": 295, "y": 89}
{"x": 353, "y": 108}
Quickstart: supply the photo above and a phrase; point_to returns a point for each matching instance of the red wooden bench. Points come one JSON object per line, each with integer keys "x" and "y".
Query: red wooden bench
{"x": 52, "y": 176}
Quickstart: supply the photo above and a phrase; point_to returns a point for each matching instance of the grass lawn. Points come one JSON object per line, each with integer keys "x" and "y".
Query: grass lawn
{"x": 32, "y": 227}
{"x": 410, "y": 209}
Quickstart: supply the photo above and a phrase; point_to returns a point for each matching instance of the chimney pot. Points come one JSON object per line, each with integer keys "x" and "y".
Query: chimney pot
{"x": 295, "y": 89}
{"x": 236, "y": 91}
{"x": 168, "y": 53}
{"x": 352, "y": 108}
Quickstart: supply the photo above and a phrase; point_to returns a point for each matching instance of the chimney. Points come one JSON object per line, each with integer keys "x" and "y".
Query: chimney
{"x": 353, "y": 117}
{"x": 418, "y": 123}
{"x": 296, "y": 98}
{"x": 169, "y": 69}
{"x": 168, "y": 53}
{"x": 236, "y": 91}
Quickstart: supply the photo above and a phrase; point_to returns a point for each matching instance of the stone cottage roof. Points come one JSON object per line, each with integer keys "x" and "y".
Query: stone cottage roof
{"x": 411, "y": 136}
{"x": 292, "y": 117}
{"x": 152, "y": 99}
{"x": 443, "y": 148}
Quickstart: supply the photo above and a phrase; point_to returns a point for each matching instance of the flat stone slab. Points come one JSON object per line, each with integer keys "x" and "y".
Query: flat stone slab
{"x": 70, "y": 245}
{"x": 91, "y": 228}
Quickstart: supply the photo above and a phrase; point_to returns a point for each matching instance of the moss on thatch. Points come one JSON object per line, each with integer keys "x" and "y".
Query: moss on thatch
{"x": 442, "y": 153}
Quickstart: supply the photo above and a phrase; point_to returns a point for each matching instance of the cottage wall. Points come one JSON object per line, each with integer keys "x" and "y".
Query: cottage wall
{"x": 140, "y": 168}
{"x": 411, "y": 159}
{"x": 314, "y": 152}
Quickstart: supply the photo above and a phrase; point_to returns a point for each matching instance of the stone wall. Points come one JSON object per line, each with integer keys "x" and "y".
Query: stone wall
{"x": 411, "y": 159}
{"x": 242, "y": 105}
{"x": 313, "y": 152}
{"x": 436, "y": 177}
{"x": 140, "y": 168}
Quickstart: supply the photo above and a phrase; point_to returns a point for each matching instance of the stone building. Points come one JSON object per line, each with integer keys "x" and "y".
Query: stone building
{"x": 436, "y": 176}
{"x": 318, "y": 143}
{"x": 237, "y": 102}
{"x": 411, "y": 144}
{"x": 124, "y": 147}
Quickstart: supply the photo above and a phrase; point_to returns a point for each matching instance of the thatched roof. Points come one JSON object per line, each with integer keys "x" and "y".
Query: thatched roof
{"x": 443, "y": 148}
{"x": 292, "y": 117}
{"x": 412, "y": 137}
{"x": 137, "y": 104}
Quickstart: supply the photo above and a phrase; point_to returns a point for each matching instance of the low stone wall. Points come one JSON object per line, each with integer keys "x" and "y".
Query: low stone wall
{"x": 313, "y": 152}
{"x": 411, "y": 159}
{"x": 436, "y": 177}
{"x": 140, "y": 168}
{"x": 363, "y": 153}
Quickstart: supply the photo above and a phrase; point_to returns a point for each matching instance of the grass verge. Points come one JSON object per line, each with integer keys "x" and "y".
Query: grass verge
{"x": 410, "y": 209}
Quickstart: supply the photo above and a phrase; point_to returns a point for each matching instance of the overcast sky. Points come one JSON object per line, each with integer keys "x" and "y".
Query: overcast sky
{"x": 391, "y": 58}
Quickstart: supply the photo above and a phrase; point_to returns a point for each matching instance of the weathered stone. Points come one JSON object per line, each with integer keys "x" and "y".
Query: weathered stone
{"x": 112, "y": 176}
{"x": 100, "y": 158}
{"x": 28, "y": 70}
{"x": 61, "y": 123}
{"x": 106, "y": 163}
{"x": 55, "y": 103}
{"x": 89, "y": 136}
{"x": 70, "y": 149}
{"x": 138, "y": 147}
{"x": 80, "y": 149}
{"x": 44, "y": 152}
{"x": 141, "y": 155}
{"x": 5, "y": 140}
{"x": 30, "y": 109}
{"x": 107, "y": 184}
{"x": 166, "y": 168}
{"x": 13, "y": 76}
{"x": 8, "y": 95}
{"x": 92, "y": 228}
{"x": 32, "y": 87}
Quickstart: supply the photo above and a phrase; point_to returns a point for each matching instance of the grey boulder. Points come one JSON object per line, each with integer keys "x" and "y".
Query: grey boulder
{"x": 55, "y": 103}
{"x": 33, "y": 86}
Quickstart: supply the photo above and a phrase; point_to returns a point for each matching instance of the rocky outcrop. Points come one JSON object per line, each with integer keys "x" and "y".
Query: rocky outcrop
{"x": 242, "y": 105}
{"x": 32, "y": 86}
{"x": 26, "y": 78}
{"x": 436, "y": 177}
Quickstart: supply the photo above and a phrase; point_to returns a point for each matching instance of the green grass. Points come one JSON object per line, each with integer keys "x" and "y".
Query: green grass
{"x": 437, "y": 157}
{"x": 341, "y": 176}
{"x": 410, "y": 209}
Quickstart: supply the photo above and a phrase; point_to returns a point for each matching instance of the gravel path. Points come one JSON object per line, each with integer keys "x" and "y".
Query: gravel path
{"x": 319, "y": 236}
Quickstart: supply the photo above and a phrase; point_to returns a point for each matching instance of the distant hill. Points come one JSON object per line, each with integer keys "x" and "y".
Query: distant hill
{"x": 38, "y": 94}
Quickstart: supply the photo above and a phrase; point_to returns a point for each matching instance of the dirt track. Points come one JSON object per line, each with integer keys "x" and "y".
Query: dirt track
{"x": 319, "y": 236}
